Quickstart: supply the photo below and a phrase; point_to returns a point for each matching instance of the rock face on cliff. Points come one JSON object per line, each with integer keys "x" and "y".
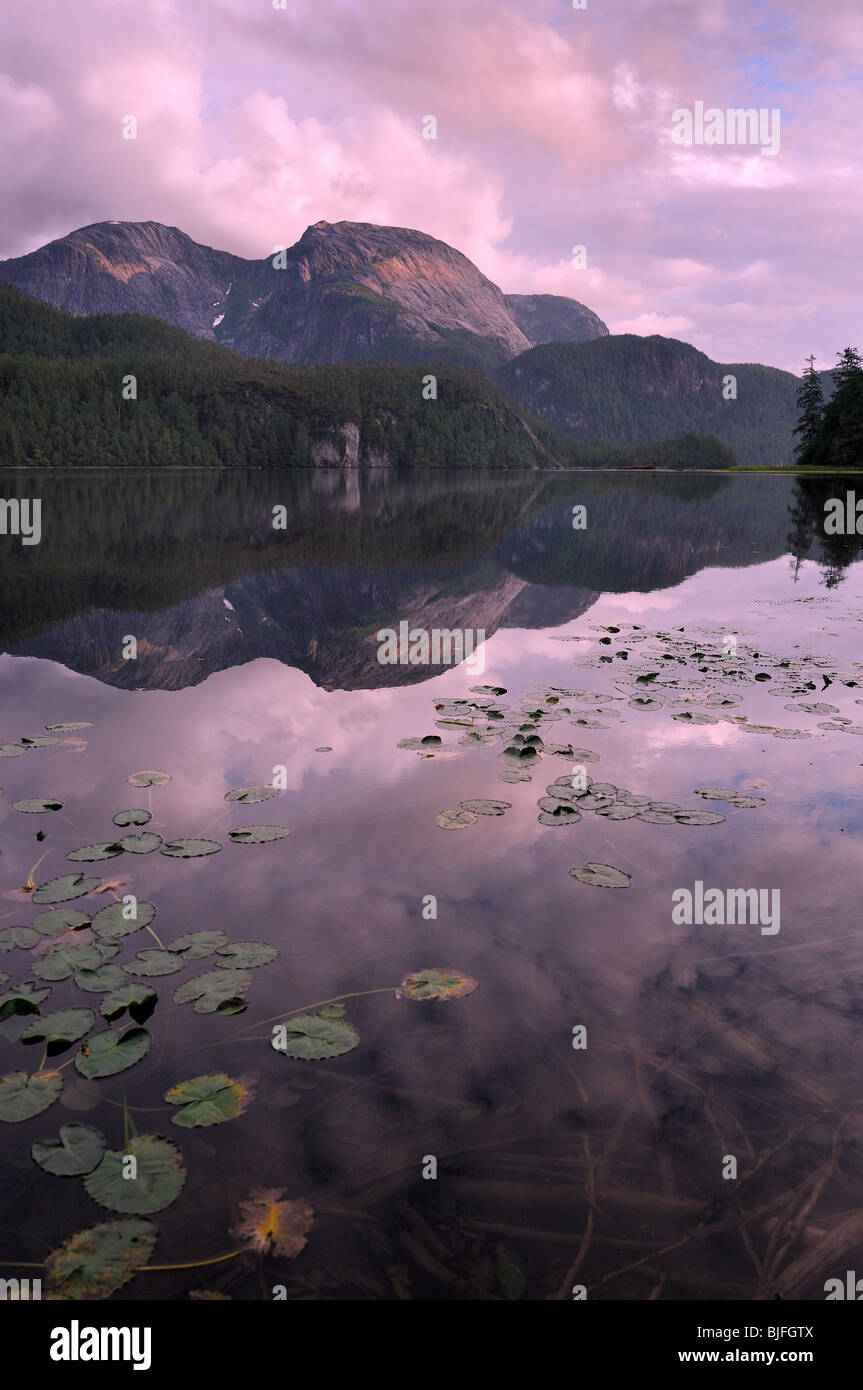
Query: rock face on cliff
{"x": 552, "y": 318}
{"x": 346, "y": 292}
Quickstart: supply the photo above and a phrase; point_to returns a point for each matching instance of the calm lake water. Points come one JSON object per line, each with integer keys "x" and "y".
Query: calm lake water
{"x": 558, "y": 1165}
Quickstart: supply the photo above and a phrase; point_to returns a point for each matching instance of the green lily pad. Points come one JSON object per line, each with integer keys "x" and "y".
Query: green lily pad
{"x": 40, "y": 741}
{"x": 158, "y": 1181}
{"x": 133, "y": 817}
{"x": 38, "y": 806}
{"x": 245, "y": 955}
{"x": 59, "y": 1031}
{"x": 435, "y": 984}
{"x": 666, "y": 807}
{"x": 69, "y": 728}
{"x": 14, "y": 938}
{"x": 658, "y": 817}
{"x": 139, "y": 999}
{"x": 692, "y": 717}
{"x": 141, "y": 844}
{"x": 730, "y": 794}
{"x": 90, "y": 854}
{"x": 110, "y": 1052}
{"x": 455, "y": 820}
{"x": 315, "y": 1039}
{"x": 486, "y": 807}
{"x": 602, "y": 875}
{"x": 101, "y": 980}
{"x": 70, "y": 955}
{"x": 258, "y": 834}
{"x": 23, "y": 1096}
{"x": 97, "y": 1262}
{"x": 22, "y": 999}
{"x": 216, "y": 992}
{"x": 429, "y": 741}
{"x": 209, "y": 1100}
{"x": 110, "y": 922}
{"x": 63, "y": 889}
{"x": 514, "y": 775}
{"x": 190, "y": 849}
{"x": 154, "y": 962}
{"x": 699, "y": 818}
{"x": 645, "y": 702}
{"x": 197, "y": 944}
{"x": 618, "y": 812}
{"x": 54, "y": 923}
{"x": 487, "y": 690}
{"x": 249, "y": 796}
{"x": 76, "y": 1152}
{"x": 149, "y": 779}
{"x": 12, "y": 750}
{"x": 475, "y": 740}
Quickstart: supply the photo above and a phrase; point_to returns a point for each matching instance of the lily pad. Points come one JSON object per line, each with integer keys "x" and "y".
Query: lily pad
{"x": 455, "y": 820}
{"x": 216, "y": 992}
{"x": 270, "y": 1226}
{"x": 209, "y": 1100}
{"x": 476, "y": 740}
{"x": 101, "y": 980}
{"x": 435, "y": 984}
{"x": 110, "y": 1052}
{"x": 76, "y": 1152}
{"x": 141, "y": 844}
{"x": 69, "y": 955}
{"x": 55, "y": 923}
{"x": 63, "y": 889}
{"x": 12, "y": 750}
{"x": 315, "y": 1039}
{"x": 139, "y": 999}
{"x": 111, "y": 923}
{"x": 487, "y": 690}
{"x": 23, "y": 1096}
{"x": 658, "y": 817}
{"x": 14, "y": 938}
{"x": 428, "y": 741}
{"x": 602, "y": 875}
{"x": 90, "y": 854}
{"x": 249, "y": 796}
{"x": 486, "y": 807}
{"x": 514, "y": 775}
{"x": 618, "y": 812}
{"x": 149, "y": 779}
{"x": 154, "y": 962}
{"x": 258, "y": 834}
{"x": 699, "y": 818}
{"x": 69, "y": 728}
{"x": 58, "y": 1031}
{"x": 245, "y": 955}
{"x": 97, "y": 1262}
{"x": 558, "y": 813}
{"x": 190, "y": 849}
{"x": 158, "y": 1182}
{"x": 134, "y": 817}
{"x": 22, "y": 999}
{"x": 197, "y": 944}
{"x": 38, "y": 806}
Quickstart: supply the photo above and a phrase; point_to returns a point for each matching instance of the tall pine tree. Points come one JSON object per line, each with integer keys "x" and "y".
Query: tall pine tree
{"x": 810, "y": 403}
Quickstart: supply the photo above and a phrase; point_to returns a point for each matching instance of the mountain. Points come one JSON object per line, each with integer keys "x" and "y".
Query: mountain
{"x": 551, "y": 318}
{"x": 64, "y": 382}
{"x": 346, "y": 292}
{"x": 624, "y": 389}
{"x": 201, "y": 404}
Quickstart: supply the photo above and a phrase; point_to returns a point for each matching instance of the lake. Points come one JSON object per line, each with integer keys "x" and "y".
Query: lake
{"x": 615, "y": 1098}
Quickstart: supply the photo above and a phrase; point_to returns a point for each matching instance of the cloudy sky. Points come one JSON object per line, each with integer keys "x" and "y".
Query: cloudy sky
{"x": 554, "y": 130}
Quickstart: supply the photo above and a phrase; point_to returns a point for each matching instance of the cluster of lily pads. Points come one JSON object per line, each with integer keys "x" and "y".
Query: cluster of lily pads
{"x": 67, "y": 943}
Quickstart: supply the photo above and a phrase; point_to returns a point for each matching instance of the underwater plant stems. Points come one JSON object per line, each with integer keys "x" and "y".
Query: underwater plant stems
{"x": 193, "y": 1264}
